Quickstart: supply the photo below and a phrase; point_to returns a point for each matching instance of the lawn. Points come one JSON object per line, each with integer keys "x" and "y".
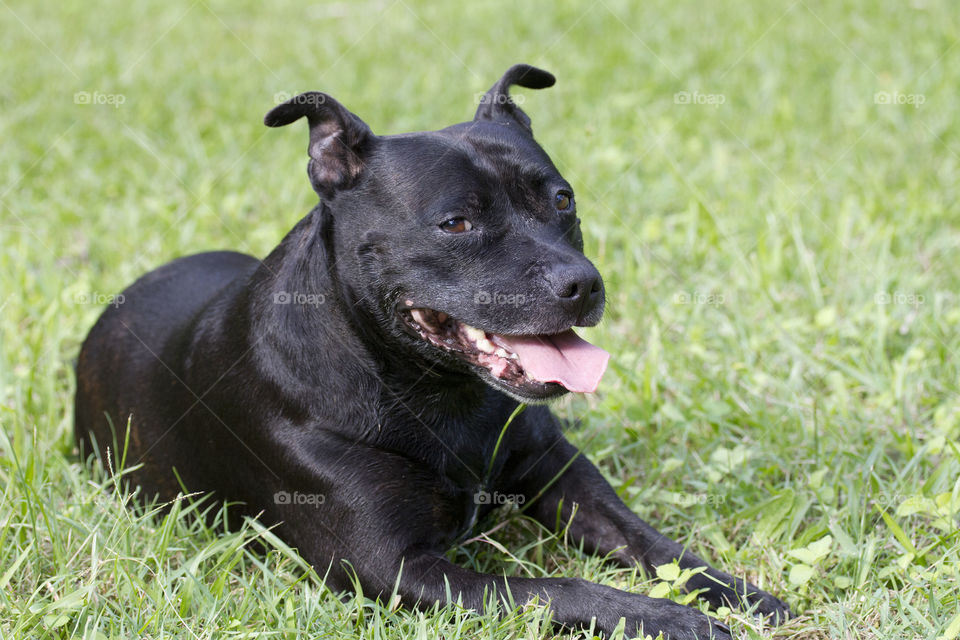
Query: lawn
{"x": 771, "y": 193}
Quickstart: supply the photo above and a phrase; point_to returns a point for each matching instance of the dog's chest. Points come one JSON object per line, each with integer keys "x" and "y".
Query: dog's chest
{"x": 465, "y": 458}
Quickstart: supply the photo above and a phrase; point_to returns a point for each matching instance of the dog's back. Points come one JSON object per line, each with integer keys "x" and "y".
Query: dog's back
{"x": 134, "y": 344}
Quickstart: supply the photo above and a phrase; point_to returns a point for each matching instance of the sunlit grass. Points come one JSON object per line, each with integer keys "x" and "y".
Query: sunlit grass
{"x": 770, "y": 192}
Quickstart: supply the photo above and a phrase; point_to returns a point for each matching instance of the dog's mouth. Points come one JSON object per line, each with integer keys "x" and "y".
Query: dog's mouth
{"x": 528, "y": 364}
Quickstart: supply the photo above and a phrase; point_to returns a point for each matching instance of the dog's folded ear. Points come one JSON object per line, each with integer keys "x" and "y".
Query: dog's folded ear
{"x": 338, "y": 139}
{"x": 496, "y": 104}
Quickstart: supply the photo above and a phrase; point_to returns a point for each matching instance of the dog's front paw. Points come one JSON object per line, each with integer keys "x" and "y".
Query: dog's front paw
{"x": 675, "y": 621}
{"x": 767, "y": 605}
{"x": 647, "y": 616}
{"x": 725, "y": 590}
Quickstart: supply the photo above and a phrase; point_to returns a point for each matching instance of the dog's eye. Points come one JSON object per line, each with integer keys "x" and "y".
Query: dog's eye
{"x": 563, "y": 200}
{"x": 456, "y": 225}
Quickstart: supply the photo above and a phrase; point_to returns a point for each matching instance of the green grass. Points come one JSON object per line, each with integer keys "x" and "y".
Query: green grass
{"x": 780, "y": 256}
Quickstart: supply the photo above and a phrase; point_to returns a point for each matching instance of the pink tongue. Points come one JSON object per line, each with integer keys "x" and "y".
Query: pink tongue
{"x": 565, "y": 358}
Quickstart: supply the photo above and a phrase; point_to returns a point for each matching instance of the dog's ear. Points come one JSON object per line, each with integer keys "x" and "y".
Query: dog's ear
{"x": 497, "y": 104}
{"x": 338, "y": 139}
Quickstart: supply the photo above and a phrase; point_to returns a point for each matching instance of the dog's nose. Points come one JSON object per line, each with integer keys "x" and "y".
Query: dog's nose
{"x": 579, "y": 289}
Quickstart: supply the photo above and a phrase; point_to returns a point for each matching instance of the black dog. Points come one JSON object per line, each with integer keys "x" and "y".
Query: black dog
{"x": 355, "y": 384}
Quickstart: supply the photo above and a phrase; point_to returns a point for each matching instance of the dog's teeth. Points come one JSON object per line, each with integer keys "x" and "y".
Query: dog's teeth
{"x": 474, "y": 334}
{"x": 498, "y": 368}
{"x": 425, "y": 318}
{"x": 485, "y": 345}
{"x": 502, "y": 353}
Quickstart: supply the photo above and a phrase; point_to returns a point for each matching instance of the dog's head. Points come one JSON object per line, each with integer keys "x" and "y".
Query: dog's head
{"x": 464, "y": 243}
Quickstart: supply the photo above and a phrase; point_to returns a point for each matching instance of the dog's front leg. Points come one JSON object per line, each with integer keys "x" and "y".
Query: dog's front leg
{"x": 384, "y": 522}
{"x": 429, "y": 578}
{"x": 563, "y": 477}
